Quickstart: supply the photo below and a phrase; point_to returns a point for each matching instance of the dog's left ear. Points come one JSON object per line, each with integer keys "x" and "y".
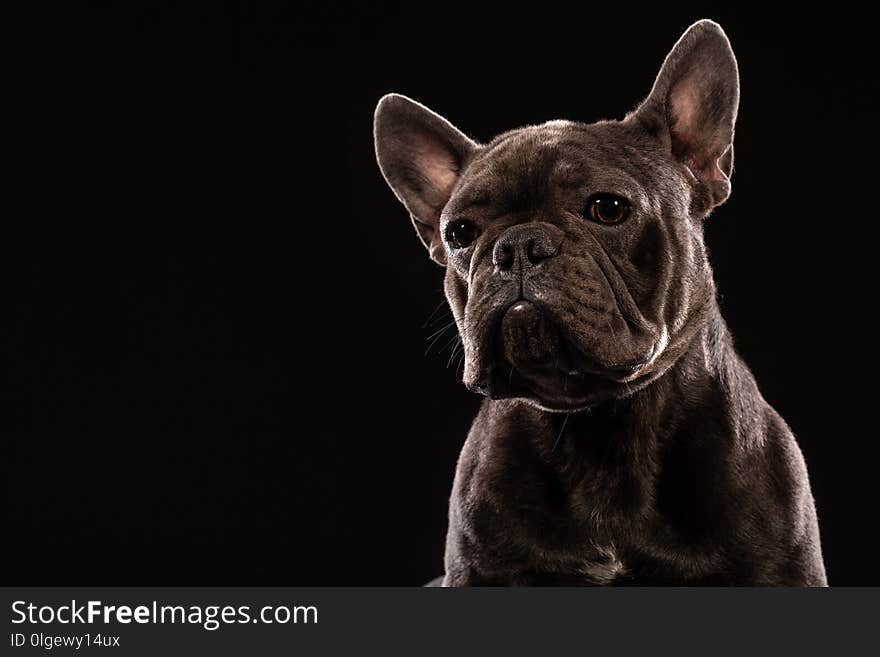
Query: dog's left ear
{"x": 693, "y": 107}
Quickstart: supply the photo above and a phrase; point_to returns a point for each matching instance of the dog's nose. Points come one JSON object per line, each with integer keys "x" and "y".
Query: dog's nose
{"x": 526, "y": 245}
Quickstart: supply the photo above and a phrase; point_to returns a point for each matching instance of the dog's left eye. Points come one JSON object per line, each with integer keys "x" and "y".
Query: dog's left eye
{"x": 607, "y": 208}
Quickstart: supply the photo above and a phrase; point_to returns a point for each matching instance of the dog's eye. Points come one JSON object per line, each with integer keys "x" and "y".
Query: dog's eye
{"x": 607, "y": 208}
{"x": 461, "y": 233}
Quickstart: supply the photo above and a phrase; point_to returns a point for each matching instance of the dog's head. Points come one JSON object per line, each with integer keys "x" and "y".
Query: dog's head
{"x": 575, "y": 264}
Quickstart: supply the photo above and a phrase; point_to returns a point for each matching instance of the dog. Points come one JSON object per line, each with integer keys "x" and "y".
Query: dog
{"x": 622, "y": 440}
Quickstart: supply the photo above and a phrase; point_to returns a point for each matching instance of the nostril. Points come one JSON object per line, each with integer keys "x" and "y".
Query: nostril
{"x": 538, "y": 250}
{"x": 523, "y": 246}
{"x": 503, "y": 255}
{"x": 531, "y": 252}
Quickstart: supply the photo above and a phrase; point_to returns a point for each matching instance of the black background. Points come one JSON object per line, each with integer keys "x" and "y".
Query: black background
{"x": 213, "y": 331}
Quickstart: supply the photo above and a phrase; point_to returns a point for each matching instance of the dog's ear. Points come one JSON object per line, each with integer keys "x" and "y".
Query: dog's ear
{"x": 693, "y": 107}
{"x": 421, "y": 156}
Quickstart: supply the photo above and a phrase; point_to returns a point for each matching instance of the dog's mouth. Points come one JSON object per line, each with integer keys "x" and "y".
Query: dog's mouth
{"x": 534, "y": 359}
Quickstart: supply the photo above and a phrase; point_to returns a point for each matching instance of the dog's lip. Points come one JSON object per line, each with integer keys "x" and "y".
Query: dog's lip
{"x": 626, "y": 369}
{"x": 573, "y": 361}
{"x": 505, "y": 381}
{"x": 514, "y": 385}
{"x": 615, "y": 371}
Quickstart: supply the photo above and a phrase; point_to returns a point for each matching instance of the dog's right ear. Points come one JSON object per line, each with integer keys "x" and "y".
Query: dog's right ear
{"x": 421, "y": 156}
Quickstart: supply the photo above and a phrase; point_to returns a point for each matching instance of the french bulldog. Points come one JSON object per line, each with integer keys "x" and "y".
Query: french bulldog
{"x": 622, "y": 440}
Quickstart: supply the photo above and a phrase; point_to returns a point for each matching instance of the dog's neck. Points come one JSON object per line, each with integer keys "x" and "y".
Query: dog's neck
{"x": 705, "y": 361}
{"x": 615, "y": 452}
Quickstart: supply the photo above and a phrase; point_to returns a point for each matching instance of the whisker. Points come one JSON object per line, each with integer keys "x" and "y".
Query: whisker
{"x": 437, "y": 335}
{"x": 441, "y": 330}
{"x": 561, "y": 431}
{"x": 449, "y": 342}
{"x": 453, "y": 353}
{"x": 434, "y": 312}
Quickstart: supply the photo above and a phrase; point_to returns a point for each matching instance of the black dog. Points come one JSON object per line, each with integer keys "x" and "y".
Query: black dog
{"x": 623, "y": 440}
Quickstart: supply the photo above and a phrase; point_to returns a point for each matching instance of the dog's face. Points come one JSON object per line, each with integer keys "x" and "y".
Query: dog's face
{"x": 575, "y": 265}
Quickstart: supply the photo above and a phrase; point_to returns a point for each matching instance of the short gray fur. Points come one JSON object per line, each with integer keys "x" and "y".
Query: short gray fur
{"x": 622, "y": 439}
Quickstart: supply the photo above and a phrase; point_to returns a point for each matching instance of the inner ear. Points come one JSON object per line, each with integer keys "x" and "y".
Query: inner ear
{"x": 439, "y": 168}
{"x": 701, "y": 124}
{"x": 694, "y": 104}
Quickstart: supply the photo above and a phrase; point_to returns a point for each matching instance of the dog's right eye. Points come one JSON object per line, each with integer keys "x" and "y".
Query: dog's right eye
{"x": 461, "y": 233}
